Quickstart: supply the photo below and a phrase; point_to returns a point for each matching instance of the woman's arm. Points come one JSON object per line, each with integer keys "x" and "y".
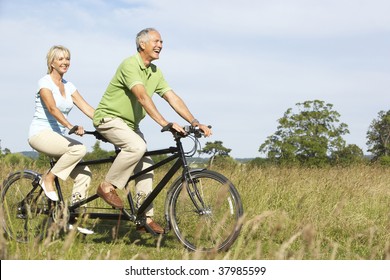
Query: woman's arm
{"x": 48, "y": 99}
{"x": 84, "y": 107}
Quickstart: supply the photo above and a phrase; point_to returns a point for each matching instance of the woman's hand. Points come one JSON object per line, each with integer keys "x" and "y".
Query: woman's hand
{"x": 77, "y": 129}
{"x": 80, "y": 131}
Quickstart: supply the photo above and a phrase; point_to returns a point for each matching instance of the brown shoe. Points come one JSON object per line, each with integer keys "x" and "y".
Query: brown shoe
{"x": 153, "y": 226}
{"x": 111, "y": 197}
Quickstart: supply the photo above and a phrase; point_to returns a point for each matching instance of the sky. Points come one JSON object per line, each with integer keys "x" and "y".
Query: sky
{"x": 238, "y": 65}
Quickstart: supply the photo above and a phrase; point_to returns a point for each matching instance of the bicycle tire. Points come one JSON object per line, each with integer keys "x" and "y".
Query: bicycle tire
{"x": 26, "y": 212}
{"x": 218, "y": 225}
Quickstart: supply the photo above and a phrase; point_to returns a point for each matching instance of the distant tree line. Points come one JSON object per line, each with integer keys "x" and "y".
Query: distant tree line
{"x": 310, "y": 136}
{"x": 313, "y": 136}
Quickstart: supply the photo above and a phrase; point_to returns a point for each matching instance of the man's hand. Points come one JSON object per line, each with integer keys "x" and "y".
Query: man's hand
{"x": 206, "y": 130}
{"x": 178, "y": 128}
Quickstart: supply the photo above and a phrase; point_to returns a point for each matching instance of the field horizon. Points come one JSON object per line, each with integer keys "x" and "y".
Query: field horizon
{"x": 290, "y": 213}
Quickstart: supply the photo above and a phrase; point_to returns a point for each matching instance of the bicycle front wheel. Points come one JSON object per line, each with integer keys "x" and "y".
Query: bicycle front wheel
{"x": 206, "y": 212}
{"x": 25, "y": 207}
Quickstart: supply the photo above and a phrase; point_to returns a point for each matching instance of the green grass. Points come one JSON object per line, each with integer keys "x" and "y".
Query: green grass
{"x": 290, "y": 213}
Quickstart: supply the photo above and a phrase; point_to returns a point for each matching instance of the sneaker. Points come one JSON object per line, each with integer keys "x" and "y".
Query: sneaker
{"x": 81, "y": 230}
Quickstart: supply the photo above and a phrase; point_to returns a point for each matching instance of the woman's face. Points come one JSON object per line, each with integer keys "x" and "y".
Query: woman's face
{"x": 61, "y": 63}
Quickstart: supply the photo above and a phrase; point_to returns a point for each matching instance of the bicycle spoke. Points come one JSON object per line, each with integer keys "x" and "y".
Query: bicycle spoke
{"x": 26, "y": 208}
{"x": 215, "y": 225}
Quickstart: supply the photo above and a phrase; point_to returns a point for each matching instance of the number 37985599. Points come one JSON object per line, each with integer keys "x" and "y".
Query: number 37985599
{"x": 241, "y": 270}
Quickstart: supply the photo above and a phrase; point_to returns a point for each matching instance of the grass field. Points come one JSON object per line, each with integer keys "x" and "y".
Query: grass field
{"x": 290, "y": 213}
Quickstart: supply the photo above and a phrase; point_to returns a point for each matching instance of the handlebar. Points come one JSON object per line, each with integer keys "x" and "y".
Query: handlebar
{"x": 73, "y": 129}
{"x": 94, "y": 133}
{"x": 189, "y": 129}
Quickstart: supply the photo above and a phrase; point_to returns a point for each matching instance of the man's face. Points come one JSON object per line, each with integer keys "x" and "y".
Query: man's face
{"x": 153, "y": 47}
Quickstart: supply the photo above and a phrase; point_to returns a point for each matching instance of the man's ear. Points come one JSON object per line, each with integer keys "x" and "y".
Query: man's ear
{"x": 142, "y": 45}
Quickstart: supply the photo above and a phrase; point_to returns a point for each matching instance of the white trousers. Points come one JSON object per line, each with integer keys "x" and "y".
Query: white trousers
{"x": 67, "y": 152}
{"x": 131, "y": 158}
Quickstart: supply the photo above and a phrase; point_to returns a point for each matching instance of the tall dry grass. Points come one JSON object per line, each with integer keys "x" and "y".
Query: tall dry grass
{"x": 290, "y": 213}
{"x": 328, "y": 213}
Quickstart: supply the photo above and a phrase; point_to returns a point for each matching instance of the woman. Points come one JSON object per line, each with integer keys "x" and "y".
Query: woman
{"x": 53, "y": 101}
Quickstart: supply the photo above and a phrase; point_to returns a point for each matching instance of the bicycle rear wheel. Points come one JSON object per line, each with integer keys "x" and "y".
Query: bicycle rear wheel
{"x": 26, "y": 214}
{"x": 216, "y": 223}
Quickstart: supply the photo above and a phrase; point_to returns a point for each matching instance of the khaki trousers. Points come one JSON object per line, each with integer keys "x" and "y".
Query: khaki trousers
{"x": 68, "y": 152}
{"x": 129, "y": 160}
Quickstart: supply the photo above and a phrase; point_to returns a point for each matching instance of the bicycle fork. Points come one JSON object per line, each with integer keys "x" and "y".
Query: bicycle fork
{"x": 192, "y": 186}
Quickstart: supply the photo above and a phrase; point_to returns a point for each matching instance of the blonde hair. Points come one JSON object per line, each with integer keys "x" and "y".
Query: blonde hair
{"x": 55, "y": 52}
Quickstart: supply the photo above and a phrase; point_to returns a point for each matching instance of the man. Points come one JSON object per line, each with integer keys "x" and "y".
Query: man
{"x": 128, "y": 98}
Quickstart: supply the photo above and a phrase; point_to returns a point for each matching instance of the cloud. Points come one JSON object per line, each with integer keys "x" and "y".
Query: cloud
{"x": 272, "y": 18}
{"x": 239, "y": 65}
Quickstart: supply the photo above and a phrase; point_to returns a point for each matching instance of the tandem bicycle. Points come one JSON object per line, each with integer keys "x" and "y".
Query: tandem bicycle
{"x": 202, "y": 207}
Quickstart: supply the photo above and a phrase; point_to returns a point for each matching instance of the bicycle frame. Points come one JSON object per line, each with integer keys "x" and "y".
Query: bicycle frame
{"x": 202, "y": 207}
{"x": 137, "y": 215}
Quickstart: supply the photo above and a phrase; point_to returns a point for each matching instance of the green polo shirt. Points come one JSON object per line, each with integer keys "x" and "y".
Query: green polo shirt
{"x": 119, "y": 101}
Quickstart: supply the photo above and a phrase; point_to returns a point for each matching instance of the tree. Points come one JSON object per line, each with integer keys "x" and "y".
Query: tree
{"x": 307, "y": 137}
{"x": 42, "y": 160}
{"x": 17, "y": 159}
{"x": 215, "y": 149}
{"x": 348, "y": 155}
{"x": 378, "y": 136}
{"x": 98, "y": 152}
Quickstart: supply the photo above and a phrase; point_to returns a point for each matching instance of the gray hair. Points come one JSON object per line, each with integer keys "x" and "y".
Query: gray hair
{"x": 143, "y": 36}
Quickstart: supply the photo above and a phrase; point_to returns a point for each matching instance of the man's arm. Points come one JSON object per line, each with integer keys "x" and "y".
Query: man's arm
{"x": 178, "y": 105}
{"x": 148, "y": 104}
{"x": 181, "y": 108}
{"x": 151, "y": 109}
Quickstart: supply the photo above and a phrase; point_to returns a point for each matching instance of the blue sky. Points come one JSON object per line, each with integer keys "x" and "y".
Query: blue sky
{"x": 239, "y": 65}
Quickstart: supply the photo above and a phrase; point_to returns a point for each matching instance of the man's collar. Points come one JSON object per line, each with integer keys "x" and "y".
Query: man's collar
{"x": 140, "y": 61}
{"x": 142, "y": 64}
